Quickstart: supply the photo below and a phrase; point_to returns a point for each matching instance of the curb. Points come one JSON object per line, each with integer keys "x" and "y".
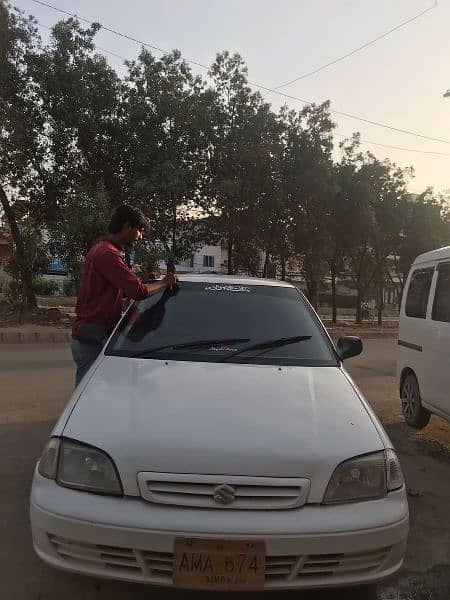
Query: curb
{"x": 34, "y": 337}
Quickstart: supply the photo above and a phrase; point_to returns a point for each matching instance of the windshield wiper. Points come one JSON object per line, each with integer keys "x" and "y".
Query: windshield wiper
{"x": 269, "y": 344}
{"x": 189, "y": 346}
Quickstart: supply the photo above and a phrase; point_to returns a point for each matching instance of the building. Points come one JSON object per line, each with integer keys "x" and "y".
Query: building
{"x": 205, "y": 260}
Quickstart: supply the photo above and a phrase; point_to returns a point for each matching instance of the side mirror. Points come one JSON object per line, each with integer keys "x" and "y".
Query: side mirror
{"x": 349, "y": 346}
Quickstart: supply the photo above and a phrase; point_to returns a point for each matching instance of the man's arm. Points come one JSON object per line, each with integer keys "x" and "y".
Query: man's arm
{"x": 116, "y": 271}
{"x": 168, "y": 281}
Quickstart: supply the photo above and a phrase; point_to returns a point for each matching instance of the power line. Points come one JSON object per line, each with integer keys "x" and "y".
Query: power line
{"x": 257, "y": 85}
{"x": 356, "y": 50}
{"x": 395, "y": 147}
{"x": 350, "y": 116}
{"x": 125, "y": 59}
{"x": 115, "y": 32}
{"x": 98, "y": 47}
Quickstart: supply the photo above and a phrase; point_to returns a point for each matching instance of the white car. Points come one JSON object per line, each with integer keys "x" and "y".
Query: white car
{"x": 424, "y": 340}
{"x": 218, "y": 443}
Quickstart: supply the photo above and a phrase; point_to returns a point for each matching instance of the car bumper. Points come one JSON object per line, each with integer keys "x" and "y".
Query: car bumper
{"x": 130, "y": 539}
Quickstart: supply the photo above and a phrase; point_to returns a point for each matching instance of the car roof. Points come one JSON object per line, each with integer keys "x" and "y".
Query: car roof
{"x": 438, "y": 254}
{"x": 232, "y": 280}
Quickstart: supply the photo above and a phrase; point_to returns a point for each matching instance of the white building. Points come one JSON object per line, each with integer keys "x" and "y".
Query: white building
{"x": 205, "y": 260}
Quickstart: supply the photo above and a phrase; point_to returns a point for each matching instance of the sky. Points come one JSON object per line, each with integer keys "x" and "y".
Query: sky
{"x": 398, "y": 81}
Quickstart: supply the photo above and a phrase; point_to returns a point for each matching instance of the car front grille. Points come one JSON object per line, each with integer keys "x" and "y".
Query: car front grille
{"x": 223, "y": 491}
{"x": 328, "y": 565}
{"x": 157, "y": 567}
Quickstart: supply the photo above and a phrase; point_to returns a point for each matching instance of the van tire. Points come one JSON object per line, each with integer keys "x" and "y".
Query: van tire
{"x": 414, "y": 413}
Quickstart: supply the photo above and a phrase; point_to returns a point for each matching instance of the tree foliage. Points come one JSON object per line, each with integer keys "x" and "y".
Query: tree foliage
{"x": 82, "y": 221}
{"x": 206, "y": 158}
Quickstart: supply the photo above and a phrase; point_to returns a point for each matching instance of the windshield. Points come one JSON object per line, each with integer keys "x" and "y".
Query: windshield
{"x": 219, "y": 322}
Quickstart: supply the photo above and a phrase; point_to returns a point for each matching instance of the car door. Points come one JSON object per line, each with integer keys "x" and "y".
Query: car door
{"x": 438, "y": 358}
{"x": 414, "y": 332}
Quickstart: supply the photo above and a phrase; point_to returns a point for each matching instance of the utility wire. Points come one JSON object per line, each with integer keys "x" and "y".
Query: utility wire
{"x": 257, "y": 85}
{"x": 356, "y": 50}
{"x": 125, "y": 59}
{"x": 115, "y": 32}
{"x": 430, "y": 152}
{"x": 98, "y": 47}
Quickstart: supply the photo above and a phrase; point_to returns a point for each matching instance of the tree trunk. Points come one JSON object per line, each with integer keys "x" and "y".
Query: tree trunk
{"x": 313, "y": 293}
{"x": 170, "y": 263}
{"x": 310, "y": 269}
{"x": 380, "y": 294}
{"x": 358, "y": 303}
{"x": 401, "y": 280}
{"x": 283, "y": 268}
{"x": 230, "y": 256}
{"x": 266, "y": 263}
{"x": 333, "y": 294}
{"x": 26, "y": 274}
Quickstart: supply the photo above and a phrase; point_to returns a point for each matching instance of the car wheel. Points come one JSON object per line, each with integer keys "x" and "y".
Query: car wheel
{"x": 413, "y": 412}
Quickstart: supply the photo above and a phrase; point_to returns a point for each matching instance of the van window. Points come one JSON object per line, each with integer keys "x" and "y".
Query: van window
{"x": 441, "y": 306}
{"x": 418, "y": 292}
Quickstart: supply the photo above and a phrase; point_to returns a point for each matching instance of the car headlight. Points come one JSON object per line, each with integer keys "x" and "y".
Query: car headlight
{"x": 367, "y": 477}
{"x": 80, "y": 467}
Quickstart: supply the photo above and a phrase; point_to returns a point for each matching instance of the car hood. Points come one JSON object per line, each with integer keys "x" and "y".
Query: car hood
{"x": 226, "y": 419}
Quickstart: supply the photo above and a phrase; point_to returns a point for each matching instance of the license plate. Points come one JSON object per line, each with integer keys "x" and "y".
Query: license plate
{"x": 218, "y": 564}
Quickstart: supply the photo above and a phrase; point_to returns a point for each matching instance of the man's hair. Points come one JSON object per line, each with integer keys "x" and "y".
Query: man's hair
{"x": 127, "y": 214}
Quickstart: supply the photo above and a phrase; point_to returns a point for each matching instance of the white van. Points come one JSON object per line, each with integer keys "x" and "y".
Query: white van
{"x": 423, "y": 365}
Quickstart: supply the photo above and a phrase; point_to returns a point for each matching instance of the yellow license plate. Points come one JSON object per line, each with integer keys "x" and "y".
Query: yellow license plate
{"x": 218, "y": 564}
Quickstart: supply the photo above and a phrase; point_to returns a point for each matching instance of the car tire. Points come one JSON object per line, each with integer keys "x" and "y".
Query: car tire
{"x": 414, "y": 413}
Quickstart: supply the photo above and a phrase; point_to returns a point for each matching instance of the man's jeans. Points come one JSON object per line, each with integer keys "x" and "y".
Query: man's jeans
{"x": 84, "y": 356}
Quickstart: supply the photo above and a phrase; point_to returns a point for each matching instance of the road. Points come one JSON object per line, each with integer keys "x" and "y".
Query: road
{"x": 35, "y": 382}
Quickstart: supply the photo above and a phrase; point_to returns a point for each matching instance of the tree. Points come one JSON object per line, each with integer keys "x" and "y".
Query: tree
{"x": 81, "y": 100}
{"x": 59, "y": 123}
{"x": 166, "y": 114}
{"x": 36, "y": 258}
{"x": 241, "y": 135}
{"x": 23, "y": 148}
{"x": 336, "y": 224}
{"x": 426, "y": 226}
{"x": 388, "y": 204}
{"x": 307, "y": 181}
{"x": 357, "y": 204}
{"x": 82, "y": 221}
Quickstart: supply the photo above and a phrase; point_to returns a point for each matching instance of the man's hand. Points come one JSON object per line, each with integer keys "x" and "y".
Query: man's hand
{"x": 170, "y": 280}
{"x": 167, "y": 282}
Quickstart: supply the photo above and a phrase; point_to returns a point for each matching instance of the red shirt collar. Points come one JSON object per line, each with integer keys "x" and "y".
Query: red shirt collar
{"x": 115, "y": 244}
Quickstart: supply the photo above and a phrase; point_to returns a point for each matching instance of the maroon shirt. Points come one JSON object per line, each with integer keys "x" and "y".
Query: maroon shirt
{"x": 106, "y": 279}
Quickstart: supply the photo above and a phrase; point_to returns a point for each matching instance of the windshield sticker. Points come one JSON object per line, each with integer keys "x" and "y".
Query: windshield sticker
{"x": 227, "y": 288}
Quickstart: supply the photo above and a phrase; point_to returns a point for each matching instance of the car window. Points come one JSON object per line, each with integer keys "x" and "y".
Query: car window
{"x": 441, "y": 306}
{"x": 418, "y": 292}
{"x": 233, "y": 316}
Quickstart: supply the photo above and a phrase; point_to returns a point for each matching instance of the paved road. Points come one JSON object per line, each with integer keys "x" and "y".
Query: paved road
{"x": 35, "y": 382}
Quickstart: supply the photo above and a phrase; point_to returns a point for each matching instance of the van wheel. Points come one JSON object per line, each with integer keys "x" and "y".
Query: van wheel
{"x": 413, "y": 412}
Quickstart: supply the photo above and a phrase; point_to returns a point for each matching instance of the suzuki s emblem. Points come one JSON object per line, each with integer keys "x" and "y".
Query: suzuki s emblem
{"x": 224, "y": 494}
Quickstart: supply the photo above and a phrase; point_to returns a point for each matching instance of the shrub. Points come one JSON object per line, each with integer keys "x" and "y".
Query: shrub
{"x": 45, "y": 287}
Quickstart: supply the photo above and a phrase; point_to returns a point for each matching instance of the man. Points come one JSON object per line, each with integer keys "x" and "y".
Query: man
{"x": 106, "y": 280}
